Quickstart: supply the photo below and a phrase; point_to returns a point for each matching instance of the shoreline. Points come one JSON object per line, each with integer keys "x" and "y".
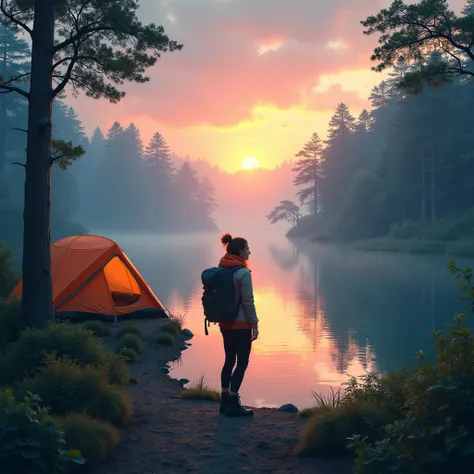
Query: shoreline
{"x": 453, "y": 248}
{"x": 169, "y": 434}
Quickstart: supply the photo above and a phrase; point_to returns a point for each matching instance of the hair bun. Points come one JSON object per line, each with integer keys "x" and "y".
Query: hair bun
{"x": 226, "y": 239}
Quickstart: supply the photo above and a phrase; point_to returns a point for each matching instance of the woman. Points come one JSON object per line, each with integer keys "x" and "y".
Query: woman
{"x": 239, "y": 334}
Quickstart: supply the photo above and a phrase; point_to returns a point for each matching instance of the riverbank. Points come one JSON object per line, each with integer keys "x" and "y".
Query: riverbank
{"x": 172, "y": 435}
{"x": 460, "y": 248}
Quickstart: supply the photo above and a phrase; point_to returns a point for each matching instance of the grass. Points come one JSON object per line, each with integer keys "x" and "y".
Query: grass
{"x": 165, "y": 339}
{"x": 130, "y": 341}
{"x": 129, "y": 354}
{"x": 98, "y": 328}
{"x": 326, "y": 432}
{"x": 26, "y": 356}
{"x": 128, "y": 329}
{"x": 175, "y": 325}
{"x": 94, "y": 438}
{"x": 362, "y": 406}
{"x": 201, "y": 391}
{"x": 66, "y": 387}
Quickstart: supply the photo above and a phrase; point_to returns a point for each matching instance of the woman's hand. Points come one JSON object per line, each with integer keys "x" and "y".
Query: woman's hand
{"x": 254, "y": 334}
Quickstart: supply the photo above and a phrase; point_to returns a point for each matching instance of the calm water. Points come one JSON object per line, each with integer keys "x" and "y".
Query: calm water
{"x": 325, "y": 312}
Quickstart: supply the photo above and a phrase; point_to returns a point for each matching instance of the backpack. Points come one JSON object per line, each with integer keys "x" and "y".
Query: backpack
{"x": 218, "y": 299}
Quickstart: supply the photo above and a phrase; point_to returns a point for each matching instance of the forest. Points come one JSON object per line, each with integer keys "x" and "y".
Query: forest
{"x": 402, "y": 169}
{"x": 118, "y": 184}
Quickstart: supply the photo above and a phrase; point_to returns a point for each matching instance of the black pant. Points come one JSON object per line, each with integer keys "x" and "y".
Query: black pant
{"x": 237, "y": 345}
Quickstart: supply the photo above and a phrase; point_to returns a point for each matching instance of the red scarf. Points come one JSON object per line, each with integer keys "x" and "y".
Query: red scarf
{"x": 231, "y": 261}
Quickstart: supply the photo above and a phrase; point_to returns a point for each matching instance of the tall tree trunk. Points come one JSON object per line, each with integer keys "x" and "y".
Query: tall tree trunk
{"x": 37, "y": 307}
{"x": 316, "y": 197}
{"x": 3, "y": 115}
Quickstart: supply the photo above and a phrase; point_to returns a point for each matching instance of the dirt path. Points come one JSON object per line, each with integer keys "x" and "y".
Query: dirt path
{"x": 172, "y": 435}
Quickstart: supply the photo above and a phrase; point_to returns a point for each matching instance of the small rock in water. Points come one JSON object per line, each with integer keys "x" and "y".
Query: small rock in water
{"x": 183, "y": 381}
{"x": 289, "y": 407}
{"x": 165, "y": 369}
{"x": 187, "y": 333}
{"x": 184, "y": 347}
{"x": 188, "y": 344}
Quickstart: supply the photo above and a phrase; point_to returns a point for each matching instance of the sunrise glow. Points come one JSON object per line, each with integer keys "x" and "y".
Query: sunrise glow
{"x": 250, "y": 163}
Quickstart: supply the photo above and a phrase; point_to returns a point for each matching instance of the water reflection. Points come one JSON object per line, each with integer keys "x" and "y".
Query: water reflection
{"x": 325, "y": 311}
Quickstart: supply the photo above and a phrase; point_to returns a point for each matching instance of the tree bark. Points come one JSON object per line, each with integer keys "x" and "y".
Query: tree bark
{"x": 37, "y": 306}
{"x": 3, "y": 116}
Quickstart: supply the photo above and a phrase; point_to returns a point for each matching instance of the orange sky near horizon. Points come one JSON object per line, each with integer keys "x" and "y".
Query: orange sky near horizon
{"x": 254, "y": 78}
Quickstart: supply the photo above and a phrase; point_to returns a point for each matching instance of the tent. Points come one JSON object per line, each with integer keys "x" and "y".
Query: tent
{"x": 92, "y": 277}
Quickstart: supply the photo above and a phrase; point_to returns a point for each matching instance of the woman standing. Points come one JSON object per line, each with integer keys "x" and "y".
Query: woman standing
{"x": 239, "y": 334}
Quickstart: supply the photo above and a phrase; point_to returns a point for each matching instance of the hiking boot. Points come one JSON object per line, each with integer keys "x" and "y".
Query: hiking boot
{"x": 224, "y": 398}
{"x": 234, "y": 408}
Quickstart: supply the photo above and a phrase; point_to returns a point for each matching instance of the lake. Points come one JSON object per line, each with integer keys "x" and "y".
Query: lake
{"x": 325, "y": 312}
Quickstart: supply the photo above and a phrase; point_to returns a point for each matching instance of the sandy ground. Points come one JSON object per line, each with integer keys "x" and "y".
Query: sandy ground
{"x": 172, "y": 435}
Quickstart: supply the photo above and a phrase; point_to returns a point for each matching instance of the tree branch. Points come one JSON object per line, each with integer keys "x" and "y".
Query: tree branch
{"x": 57, "y": 158}
{"x": 19, "y": 164}
{"x": 14, "y": 89}
{"x": 20, "y": 130}
{"x": 13, "y": 19}
{"x": 13, "y": 79}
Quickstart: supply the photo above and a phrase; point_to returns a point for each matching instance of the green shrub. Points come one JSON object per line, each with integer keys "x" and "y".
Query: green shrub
{"x": 129, "y": 354}
{"x": 130, "y": 341}
{"x": 65, "y": 386}
{"x": 26, "y": 356}
{"x": 201, "y": 391}
{"x": 10, "y": 321}
{"x": 94, "y": 438}
{"x": 128, "y": 329}
{"x": 327, "y": 431}
{"x": 28, "y": 352}
{"x": 171, "y": 328}
{"x": 117, "y": 370}
{"x": 165, "y": 339}
{"x": 8, "y": 273}
{"x": 98, "y": 328}
{"x": 436, "y": 433}
{"x": 31, "y": 441}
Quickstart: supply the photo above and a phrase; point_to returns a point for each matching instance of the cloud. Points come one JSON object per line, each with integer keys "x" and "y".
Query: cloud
{"x": 241, "y": 53}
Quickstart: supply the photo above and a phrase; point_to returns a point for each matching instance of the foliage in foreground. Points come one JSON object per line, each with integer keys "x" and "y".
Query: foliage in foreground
{"x": 201, "y": 391}
{"x": 436, "y": 433}
{"x": 408, "y": 421}
{"x": 26, "y": 356}
{"x": 66, "y": 387}
{"x": 98, "y": 328}
{"x": 8, "y": 274}
{"x": 10, "y": 321}
{"x": 130, "y": 341}
{"x": 94, "y": 438}
{"x": 128, "y": 329}
{"x": 31, "y": 440}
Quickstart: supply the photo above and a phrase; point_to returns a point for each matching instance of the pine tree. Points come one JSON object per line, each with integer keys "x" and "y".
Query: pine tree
{"x": 342, "y": 123}
{"x": 380, "y": 95}
{"x": 206, "y": 200}
{"x": 14, "y": 55}
{"x": 365, "y": 121}
{"x": 468, "y": 8}
{"x": 158, "y": 155}
{"x": 309, "y": 171}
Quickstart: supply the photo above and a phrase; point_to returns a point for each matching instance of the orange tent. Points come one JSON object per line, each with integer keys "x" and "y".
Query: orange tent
{"x": 91, "y": 275}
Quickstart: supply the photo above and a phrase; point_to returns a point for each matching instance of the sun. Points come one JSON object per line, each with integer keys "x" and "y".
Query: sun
{"x": 250, "y": 163}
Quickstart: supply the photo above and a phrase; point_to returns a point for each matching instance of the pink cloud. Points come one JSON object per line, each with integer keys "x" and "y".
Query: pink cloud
{"x": 219, "y": 76}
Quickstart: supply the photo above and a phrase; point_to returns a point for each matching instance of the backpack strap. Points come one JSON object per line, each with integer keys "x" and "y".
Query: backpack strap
{"x": 206, "y": 324}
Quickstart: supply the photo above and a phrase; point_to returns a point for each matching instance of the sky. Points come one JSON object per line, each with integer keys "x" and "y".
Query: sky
{"x": 254, "y": 77}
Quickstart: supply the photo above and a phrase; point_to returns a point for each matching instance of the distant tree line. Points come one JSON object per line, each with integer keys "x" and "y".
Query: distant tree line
{"x": 406, "y": 163}
{"x": 118, "y": 184}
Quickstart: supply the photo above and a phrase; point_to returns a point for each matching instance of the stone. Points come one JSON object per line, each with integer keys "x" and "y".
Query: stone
{"x": 183, "y": 347}
{"x": 183, "y": 381}
{"x": 289, "y": 408}
{"x": 187, "y": 333}
{"x": 165, "y": 369}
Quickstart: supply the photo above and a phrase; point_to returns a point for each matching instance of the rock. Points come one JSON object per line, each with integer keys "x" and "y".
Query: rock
{"x": 289, "y": 407}
{"x": 183, "y": 381}
{"x": 165, "y": 369}
{"x": 187, "y": 333}
{"x": 183, "y": 347}
{"x": 188, "y": 344}
{"x": 174, "y": 358}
